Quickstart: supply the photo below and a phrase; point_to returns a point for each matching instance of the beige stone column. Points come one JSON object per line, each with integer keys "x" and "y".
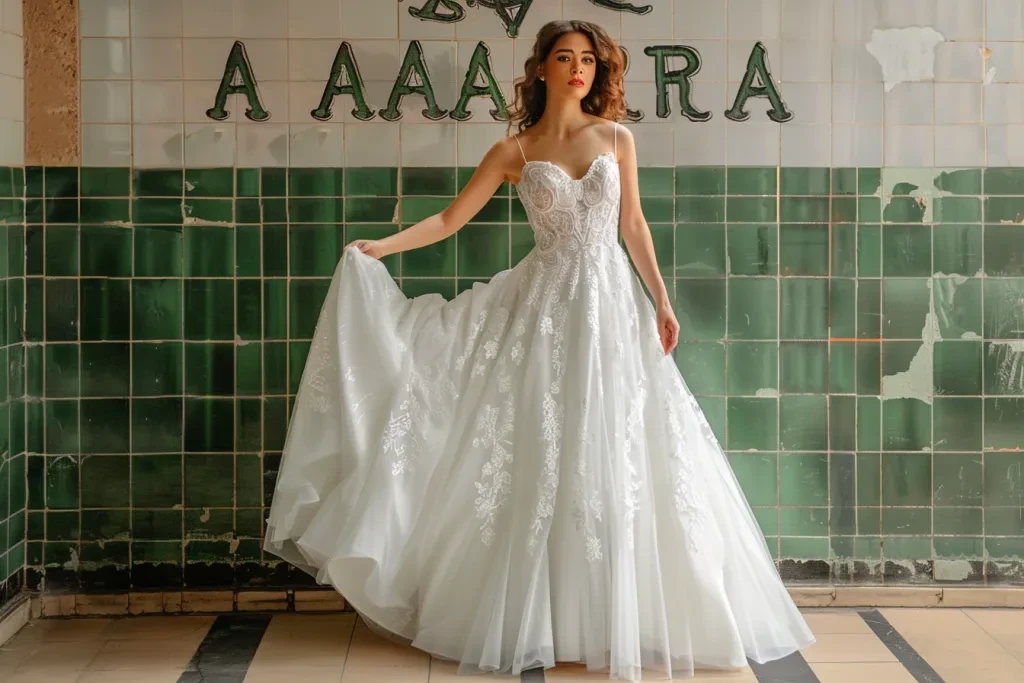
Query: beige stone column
{"x": 52, "y": 74}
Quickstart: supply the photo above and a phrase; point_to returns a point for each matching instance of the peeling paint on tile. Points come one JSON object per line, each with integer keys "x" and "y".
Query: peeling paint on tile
{"x": 905, "y": 54}
{"x": 990, "y": 71}
{"x": 919, "y": 183}
{"x": 1009, "y": 356}
{"x": 953, "y": 570}
{"x": 918, "y": 380}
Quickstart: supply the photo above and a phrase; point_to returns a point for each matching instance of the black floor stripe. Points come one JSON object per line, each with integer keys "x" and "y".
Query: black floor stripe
{"x": 791, "y": 669}
{"x": 226, "y": 652}
{"x": 898, "y": 645}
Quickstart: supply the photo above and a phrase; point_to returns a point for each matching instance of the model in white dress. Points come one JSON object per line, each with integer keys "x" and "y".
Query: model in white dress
{"x": 520, "y": 476}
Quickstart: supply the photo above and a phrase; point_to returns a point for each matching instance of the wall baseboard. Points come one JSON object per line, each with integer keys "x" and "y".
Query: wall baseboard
{"x": 14, "y": 616}
{"x": 220, "y": 602}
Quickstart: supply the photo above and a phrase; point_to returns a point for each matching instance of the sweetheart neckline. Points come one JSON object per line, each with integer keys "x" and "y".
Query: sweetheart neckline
{"x": 586, "y": 175}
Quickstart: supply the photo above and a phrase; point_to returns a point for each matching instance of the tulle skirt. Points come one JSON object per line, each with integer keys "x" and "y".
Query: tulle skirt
{"x": 520, "y": 476}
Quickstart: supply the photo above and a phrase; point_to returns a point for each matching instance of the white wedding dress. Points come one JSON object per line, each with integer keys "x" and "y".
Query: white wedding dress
{"x": 520, "y": 476}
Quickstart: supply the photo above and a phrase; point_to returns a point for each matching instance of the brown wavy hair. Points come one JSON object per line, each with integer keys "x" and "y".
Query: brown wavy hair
{"x": 606, "y": 98}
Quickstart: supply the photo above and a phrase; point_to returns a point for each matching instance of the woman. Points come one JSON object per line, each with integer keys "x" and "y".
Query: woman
{"x": 520, "y": 476}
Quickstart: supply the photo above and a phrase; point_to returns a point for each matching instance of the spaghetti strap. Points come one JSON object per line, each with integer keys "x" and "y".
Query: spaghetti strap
{"x": 520, "y": 148}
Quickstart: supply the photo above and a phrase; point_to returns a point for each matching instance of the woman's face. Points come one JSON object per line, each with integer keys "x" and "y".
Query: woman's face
{"x": 570, "y": 67}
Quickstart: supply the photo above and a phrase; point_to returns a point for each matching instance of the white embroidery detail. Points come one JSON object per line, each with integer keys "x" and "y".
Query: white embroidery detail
{"x": 319, "y": 367}
{"x": 551, "y": 433}
{"x": 495, "y": 480}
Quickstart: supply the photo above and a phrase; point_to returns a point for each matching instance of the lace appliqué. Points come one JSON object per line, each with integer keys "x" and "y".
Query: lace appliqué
{"x": 551, "y": 433}
{"x": 633, "y": 442}
{"x": 427, "y": 396}
{"x": 320, "y": 366}
{"x": 587, "y": 509}
{"x": 495, "y": 480}
{"x": 689, "y": 498}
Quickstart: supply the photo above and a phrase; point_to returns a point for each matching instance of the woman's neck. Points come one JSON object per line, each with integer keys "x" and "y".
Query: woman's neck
{"x": 561, "y": 118}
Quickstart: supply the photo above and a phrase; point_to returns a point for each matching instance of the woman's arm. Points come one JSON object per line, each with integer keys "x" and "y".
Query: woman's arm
{"x": 489, "y": 175}
{"x": 637, "y": 235}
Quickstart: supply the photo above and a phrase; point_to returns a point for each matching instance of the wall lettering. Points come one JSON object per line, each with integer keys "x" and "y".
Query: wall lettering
{"x": 429, "y": 11}
{"x": 344, "y": 69}
{"x": 757, "y": 67}
{"x": 510, "y": 12}
{"x": 413, "y": 65}
{"x": 663, "y": 79}
{"x": 620, "y": 6}
{"x": 414, "y": 79}
{"x": 238, "y": 79}
{"x": 480, "y": 65}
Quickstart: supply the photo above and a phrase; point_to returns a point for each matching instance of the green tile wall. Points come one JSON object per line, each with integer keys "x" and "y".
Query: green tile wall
{"x": 855, "y": 336}
{"x": 12, "y": 404}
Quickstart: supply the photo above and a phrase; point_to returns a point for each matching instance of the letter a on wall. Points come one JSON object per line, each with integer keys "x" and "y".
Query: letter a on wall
{"x": 238, "y": 79}
{"x": 344, "y": 69}
{"x": 757, "y": 67}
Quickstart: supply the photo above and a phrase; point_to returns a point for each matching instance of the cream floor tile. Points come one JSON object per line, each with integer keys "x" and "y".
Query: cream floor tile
{"x": 368, "y": 648}
{"x": 848, "y": 647}
{"x": 307, "y": 674}
{"x": 288, "y": 653}
{"x": 956, "y": 646}
{"x": 311, "y": 623}
{"x": 55, "y": 658}
{"x": 305, "y": 641}
{"x": 571, "y": 673}
{"x": 159, "y": 628}
{"x": 863, "y": 672}
{"x": 372, "y": 658}
{"x": 825, "y": 623}
{"x": 169, "y": 653}
{"x": 43, "y": 677}
{"x": 64, "y": 630}
{"x": 448, "y": 672}
{"x": 131, "y": 676}
{"x": 384, "y": 675}
{"x": 1006, "y": 627}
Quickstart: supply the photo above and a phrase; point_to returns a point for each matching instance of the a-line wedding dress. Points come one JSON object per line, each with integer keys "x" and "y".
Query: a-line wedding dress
{"x": 520, "y": 476}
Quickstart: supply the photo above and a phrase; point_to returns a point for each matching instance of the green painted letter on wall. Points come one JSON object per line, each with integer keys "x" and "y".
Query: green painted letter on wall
{"x": 413, "y": 64}
{"x": 344, "y": 69}
{"x": 679, "y": 77}
{"x": 757, "y": 66}
{"x": 429, "y": 11}
{"x": 238, "y": 79}
{"x": 480, "y": 64}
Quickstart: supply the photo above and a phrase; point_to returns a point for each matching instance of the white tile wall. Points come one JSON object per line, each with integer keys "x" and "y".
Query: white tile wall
{"x": 12, "y": 85}
{"x": 151, "y": 68}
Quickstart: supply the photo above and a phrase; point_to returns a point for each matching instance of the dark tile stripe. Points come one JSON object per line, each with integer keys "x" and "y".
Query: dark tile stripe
{"x": 791, "y": 669}
{"x": 534, "y": 675}
{"x": 898, "y": 645}
{"x": 226, "y": 652}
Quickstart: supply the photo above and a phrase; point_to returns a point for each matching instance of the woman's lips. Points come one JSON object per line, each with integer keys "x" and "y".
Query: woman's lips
{"x": 576, "y": 83}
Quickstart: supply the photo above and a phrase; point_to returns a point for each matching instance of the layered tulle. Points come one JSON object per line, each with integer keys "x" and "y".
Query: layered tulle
{"x": 520, "y": 476}
{"x": 508, "y": 485}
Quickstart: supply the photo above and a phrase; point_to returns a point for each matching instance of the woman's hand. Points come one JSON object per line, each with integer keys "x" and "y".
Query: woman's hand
{"x": 374, "y": 248}
{"x": 668, "y": 327}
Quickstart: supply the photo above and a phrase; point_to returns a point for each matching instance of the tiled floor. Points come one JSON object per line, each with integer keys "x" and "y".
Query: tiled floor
{"x": 887, "y": 646}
